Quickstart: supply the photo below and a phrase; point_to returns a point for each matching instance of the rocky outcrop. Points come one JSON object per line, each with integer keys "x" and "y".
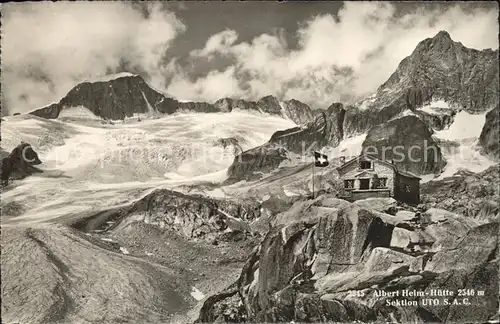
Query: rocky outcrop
{"x": 3, "y": 154}
{"x": 113, "y": 99}
{"x": 333, "y": 266}
{"x": 489, "y": 138}
{"x": 408, "y": 143}
{"x": 20, "y": 163}
{"x": 324, "y": 130}
{"x": 193, "y": 216}
{"x": 299, "y": 112}
{"x": 270, "y": 105}
{"x": 359, "y": 119}
{"x": 126, "y": 95}
{"x": 250, "y": 165}
{"x": 437, "y": 121}
{"x": 230, "y": 142}
{"x": 469, "y": 194}
{"x": 201, "y": 107}
{"x": 228, "y": 104}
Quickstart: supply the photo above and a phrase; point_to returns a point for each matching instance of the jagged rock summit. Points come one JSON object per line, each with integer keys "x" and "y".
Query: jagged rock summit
{"x": 440, "y": 68}
{"x": 113, "y": 98}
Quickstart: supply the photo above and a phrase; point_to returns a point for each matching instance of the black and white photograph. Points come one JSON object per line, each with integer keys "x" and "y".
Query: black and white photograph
{"x": 249, "y": 162}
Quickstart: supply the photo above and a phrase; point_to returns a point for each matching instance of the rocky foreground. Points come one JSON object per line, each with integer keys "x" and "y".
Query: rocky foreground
{"x": 149, "y": 262}
{"x": 466, "y": 193}
{"x": 301, "y": 259}
{"x": 366, "y": 261}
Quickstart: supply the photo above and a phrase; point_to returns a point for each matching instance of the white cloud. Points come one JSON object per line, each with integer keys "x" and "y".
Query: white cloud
{"x": 342, "y": 57}
{"x": 218, "y": 43}
{"x": 214, "y": 86}
{"x": 48, "y": 47}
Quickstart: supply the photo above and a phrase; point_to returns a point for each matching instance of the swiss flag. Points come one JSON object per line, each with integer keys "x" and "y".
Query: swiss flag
{"x": 320, "y": 160}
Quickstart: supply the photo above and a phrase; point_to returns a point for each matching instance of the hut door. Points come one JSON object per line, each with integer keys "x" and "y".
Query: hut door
{"x": 364, "y": 184}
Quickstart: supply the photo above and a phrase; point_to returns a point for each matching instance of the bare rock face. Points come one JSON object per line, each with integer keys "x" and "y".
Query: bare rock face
{"x": 408, "y": 142}
{"x": 359, "y": 120}
{"x": 20, "y": 163}
{"x": 228, "y": 104}
{"x": 299, "y": 112}
{"x": 193, "y": 216}
{"x": 324, "y": 130}
{"x": 270, "y": 105}
{"x": 114, "y": 99}
{"x": 437, "y": 121}
{"x": 472, "y": 195}
{"x": 331, "y": 267}
{"x": 439, "y": 67}
{"x": 295, "y": 110}
{"x": 224, "y": 104}
{"x": 489, "y": 138}
{"x": 201, "y": 107}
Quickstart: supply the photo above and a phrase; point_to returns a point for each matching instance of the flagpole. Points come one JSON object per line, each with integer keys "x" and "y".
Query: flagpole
{"x": 314, "y": 163}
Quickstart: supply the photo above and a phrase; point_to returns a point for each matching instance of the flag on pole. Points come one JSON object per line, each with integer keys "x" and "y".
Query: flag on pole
{"x": 320, "y": 160}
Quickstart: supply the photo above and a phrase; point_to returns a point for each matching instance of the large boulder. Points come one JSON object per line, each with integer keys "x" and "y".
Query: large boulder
{"x": 489, "y": 139}
{"x": 228, "y": 104}
{"x": 408, "y": 142}
{"x": 20, "y": 163}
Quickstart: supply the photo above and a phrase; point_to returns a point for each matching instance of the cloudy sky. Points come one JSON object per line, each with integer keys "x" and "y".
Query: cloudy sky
{"x": 315, "y": 52}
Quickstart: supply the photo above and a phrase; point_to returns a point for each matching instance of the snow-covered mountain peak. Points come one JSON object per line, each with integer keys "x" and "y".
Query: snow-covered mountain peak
{"x": 109, "y": 77}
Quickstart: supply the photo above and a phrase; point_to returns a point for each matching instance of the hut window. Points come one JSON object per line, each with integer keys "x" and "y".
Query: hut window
{"x": 348, "y": 184}
{"x": 365, "y": 164}
{"x": 382, "y": 182}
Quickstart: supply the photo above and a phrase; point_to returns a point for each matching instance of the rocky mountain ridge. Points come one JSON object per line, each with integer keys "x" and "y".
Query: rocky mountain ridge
{"x": 126, "y": 95}
{"x": 439, "y": 69}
